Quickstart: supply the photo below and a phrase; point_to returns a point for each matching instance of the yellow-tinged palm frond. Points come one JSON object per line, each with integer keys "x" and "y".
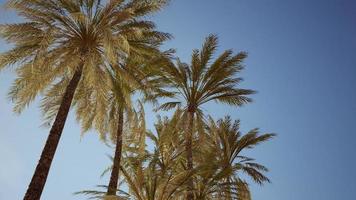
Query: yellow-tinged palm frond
{"x": 57, "y": 36}
{"x": 98, "y": 108}
{"x": 243, "y": 190}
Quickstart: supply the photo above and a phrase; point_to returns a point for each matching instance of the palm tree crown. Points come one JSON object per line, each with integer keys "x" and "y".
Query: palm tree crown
{"x": 205, "y": 80}
{"x": 222, "y": 161}
{"x": 60, "y": 36}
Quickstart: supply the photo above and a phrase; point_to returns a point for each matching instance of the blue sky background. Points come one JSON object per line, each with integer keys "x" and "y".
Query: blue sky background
{"x": 302, "y": 62}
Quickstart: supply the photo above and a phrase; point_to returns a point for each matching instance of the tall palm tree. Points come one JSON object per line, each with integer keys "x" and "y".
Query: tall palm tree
{"x": 134, "y": 77}
{"x": 70, "y": 43}
{"x": 202, "y": 81}
{"x": 121, "y": 95}
{"x": 133, "y": 142}
{"x": 108, "y": 115}
{"x": 222, "y": 162}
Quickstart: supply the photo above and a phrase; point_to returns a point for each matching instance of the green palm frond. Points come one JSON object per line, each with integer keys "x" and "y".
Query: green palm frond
{"x": 205, "y": 80}
{"x": 220, "y": 162}
{"x": 168, "y": 106}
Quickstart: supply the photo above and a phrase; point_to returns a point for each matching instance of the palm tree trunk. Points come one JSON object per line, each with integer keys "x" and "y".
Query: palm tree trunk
{"x": 189, "y": 153}
{"x": 114, "y": 178}
{"x": 39, "y": 178}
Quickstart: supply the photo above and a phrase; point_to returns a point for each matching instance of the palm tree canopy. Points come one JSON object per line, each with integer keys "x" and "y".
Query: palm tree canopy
{"x": 205, "y": 79}
{"x": 130, "y": 78}
{"x": 57, "y": 36}
{"x": 221, "y": 162}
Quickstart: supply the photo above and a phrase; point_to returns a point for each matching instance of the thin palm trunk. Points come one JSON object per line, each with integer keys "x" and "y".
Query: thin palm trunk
{"x": 114, "y": 178}
{"x": 39, "y": 178}
{"x": 189, "y": 153}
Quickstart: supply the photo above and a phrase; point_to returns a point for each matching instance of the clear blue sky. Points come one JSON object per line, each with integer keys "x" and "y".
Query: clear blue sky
{"x": 302, "y": 60}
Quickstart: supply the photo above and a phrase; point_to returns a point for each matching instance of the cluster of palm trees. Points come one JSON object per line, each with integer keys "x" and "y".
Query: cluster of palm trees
{"x": 97, "y": 57}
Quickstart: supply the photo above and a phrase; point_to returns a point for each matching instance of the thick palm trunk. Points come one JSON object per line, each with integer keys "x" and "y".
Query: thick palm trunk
{"x": 39, "y": 178}
{"x": 189, "y": 153}
{"x": 114, "y": 178}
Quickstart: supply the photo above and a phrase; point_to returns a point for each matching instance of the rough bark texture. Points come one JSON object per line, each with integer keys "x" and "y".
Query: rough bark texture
{"x": 114, "y": 178}
{"x": 39, "y": 178}
{"x": 189, "y": 153}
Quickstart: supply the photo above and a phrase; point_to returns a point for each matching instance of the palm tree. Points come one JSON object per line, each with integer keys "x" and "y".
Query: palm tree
{"x": 121, "y": 95}
{"x": 132, "y": 142}
{"x": 68, "y": 44}
{"x": 151, "y": 175}
{"x": 221, "y": 162}
{"x": 200, "y": 82}
{"x": 108, "y": 115}
{"x": 134, "y": 77}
